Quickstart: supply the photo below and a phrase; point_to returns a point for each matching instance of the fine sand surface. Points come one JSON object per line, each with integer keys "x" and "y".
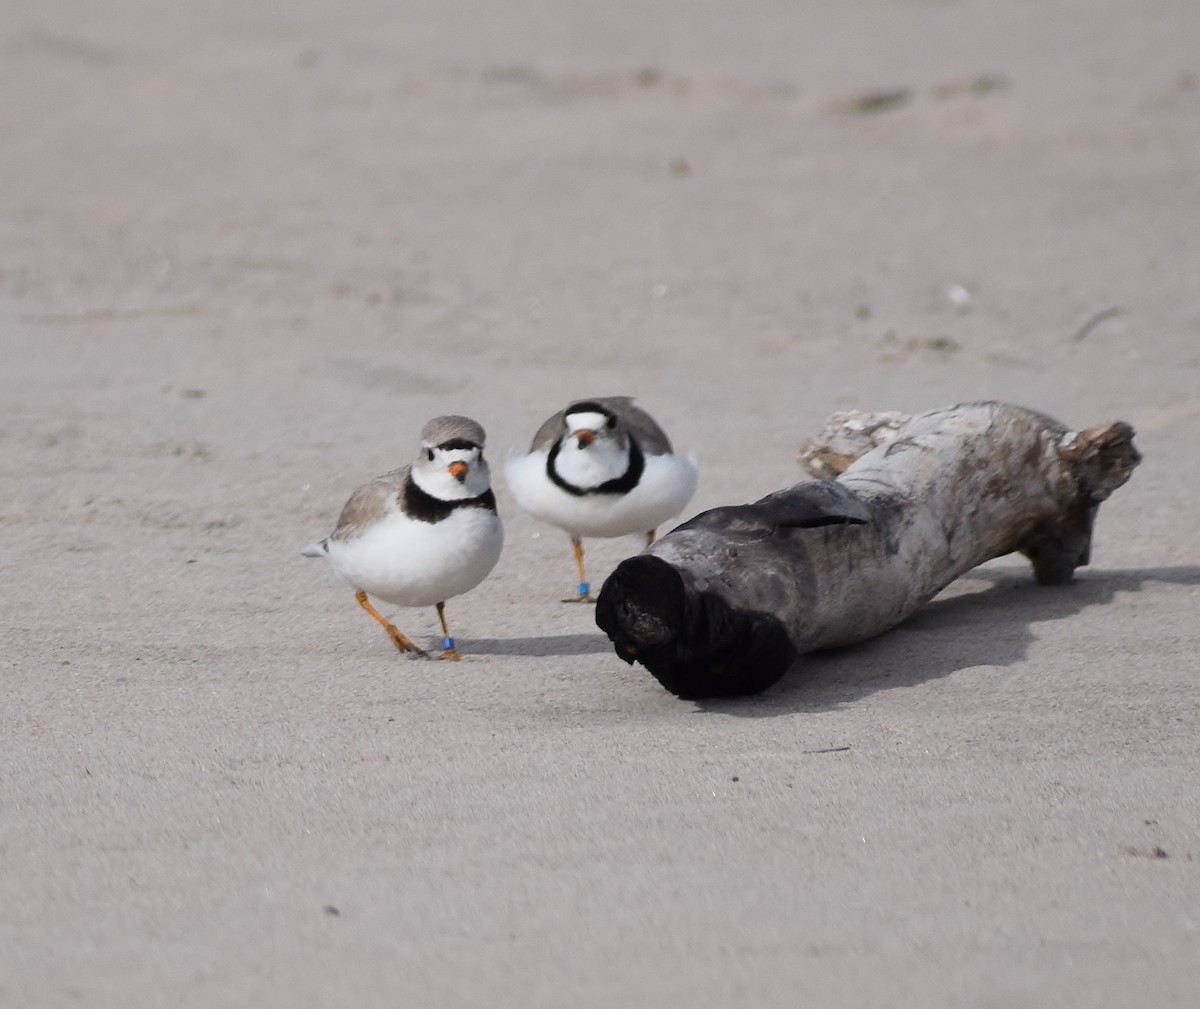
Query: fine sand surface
{"x": 247, "y": 249}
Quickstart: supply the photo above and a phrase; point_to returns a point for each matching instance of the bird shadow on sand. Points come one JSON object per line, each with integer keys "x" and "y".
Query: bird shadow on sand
{"x": 539, "y": 647}
{"x": 992, "y": 626}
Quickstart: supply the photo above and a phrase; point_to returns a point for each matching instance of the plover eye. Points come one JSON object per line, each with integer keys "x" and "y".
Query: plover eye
{"x": 429, "y": 454}
{"x": 611, "y": 422}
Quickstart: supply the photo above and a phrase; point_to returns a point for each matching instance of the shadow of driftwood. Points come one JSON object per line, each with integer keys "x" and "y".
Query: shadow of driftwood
{"x": 992, "y": 626}
{"x": 540, "y": 647}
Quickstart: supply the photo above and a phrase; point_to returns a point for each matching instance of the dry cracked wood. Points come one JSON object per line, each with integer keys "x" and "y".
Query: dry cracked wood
{"x": 723, "y": 604}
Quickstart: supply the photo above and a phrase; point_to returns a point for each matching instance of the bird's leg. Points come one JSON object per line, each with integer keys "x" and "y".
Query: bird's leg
{"x": 583, "y": 595}
{"x": 398, "y": 639}
{"x": 448, "y": 649}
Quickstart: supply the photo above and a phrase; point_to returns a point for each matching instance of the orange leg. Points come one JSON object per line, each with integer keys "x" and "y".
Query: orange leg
{"x": 448, "y": 649}
{"x": 398, "y": 639}
{"x": 582, "y": 595}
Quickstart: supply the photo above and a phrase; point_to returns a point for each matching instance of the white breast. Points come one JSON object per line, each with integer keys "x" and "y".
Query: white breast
{"x": 667, "y": 484}
{"x": 599, "y": 462}
{"x": 411, "y": 563}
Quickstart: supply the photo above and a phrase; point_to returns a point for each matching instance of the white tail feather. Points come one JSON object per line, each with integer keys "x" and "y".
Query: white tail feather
{"x": 318, "y": 549}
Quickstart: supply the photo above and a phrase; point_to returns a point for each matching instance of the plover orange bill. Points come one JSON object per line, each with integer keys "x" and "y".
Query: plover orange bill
{"x": 423, "y": 533}
{"x": 601, "y": 467}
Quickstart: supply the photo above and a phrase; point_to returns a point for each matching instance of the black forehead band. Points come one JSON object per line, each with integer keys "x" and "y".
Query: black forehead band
{"x": 587, "y": 406}
{"x": 456, "y": 443}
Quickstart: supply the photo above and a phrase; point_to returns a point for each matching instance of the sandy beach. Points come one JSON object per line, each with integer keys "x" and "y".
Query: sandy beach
{"x": 247, "y": 250}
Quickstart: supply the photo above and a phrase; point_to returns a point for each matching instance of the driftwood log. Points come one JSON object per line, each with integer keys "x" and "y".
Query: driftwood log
{"x": 723, "y": 604}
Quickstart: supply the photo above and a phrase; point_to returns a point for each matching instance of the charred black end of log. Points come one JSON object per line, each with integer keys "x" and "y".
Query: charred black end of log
{"x": 694, "y": 643}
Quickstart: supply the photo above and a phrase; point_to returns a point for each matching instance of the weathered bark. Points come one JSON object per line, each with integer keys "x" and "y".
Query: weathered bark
{"x": 723, "y": 604}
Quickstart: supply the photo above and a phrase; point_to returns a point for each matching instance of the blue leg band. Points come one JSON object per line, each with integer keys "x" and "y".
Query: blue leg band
{"x": 448, "y": 643}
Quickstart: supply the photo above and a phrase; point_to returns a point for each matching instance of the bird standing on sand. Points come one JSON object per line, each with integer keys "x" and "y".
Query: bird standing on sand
{"x": 421, "y": 534}
{"x": 601, "y": 467}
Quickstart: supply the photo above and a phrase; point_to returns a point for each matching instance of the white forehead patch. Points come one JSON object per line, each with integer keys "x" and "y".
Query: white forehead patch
{"x": 452, "y": 454}
{"x": 590, "y": 421}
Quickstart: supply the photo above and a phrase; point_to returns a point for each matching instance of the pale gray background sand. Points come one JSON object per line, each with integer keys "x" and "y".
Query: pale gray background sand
{"x": 247, "y": 249}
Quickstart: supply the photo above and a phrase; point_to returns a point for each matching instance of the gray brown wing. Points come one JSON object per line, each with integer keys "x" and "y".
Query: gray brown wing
{"x": 548, "y": 433}
{"x": 641, "y": 425}
{"x": 370, "y": 502}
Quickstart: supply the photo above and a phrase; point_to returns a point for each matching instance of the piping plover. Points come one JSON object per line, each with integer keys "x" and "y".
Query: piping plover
{"x": 601, "y": 467}
{"x": 423, "y": 533}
